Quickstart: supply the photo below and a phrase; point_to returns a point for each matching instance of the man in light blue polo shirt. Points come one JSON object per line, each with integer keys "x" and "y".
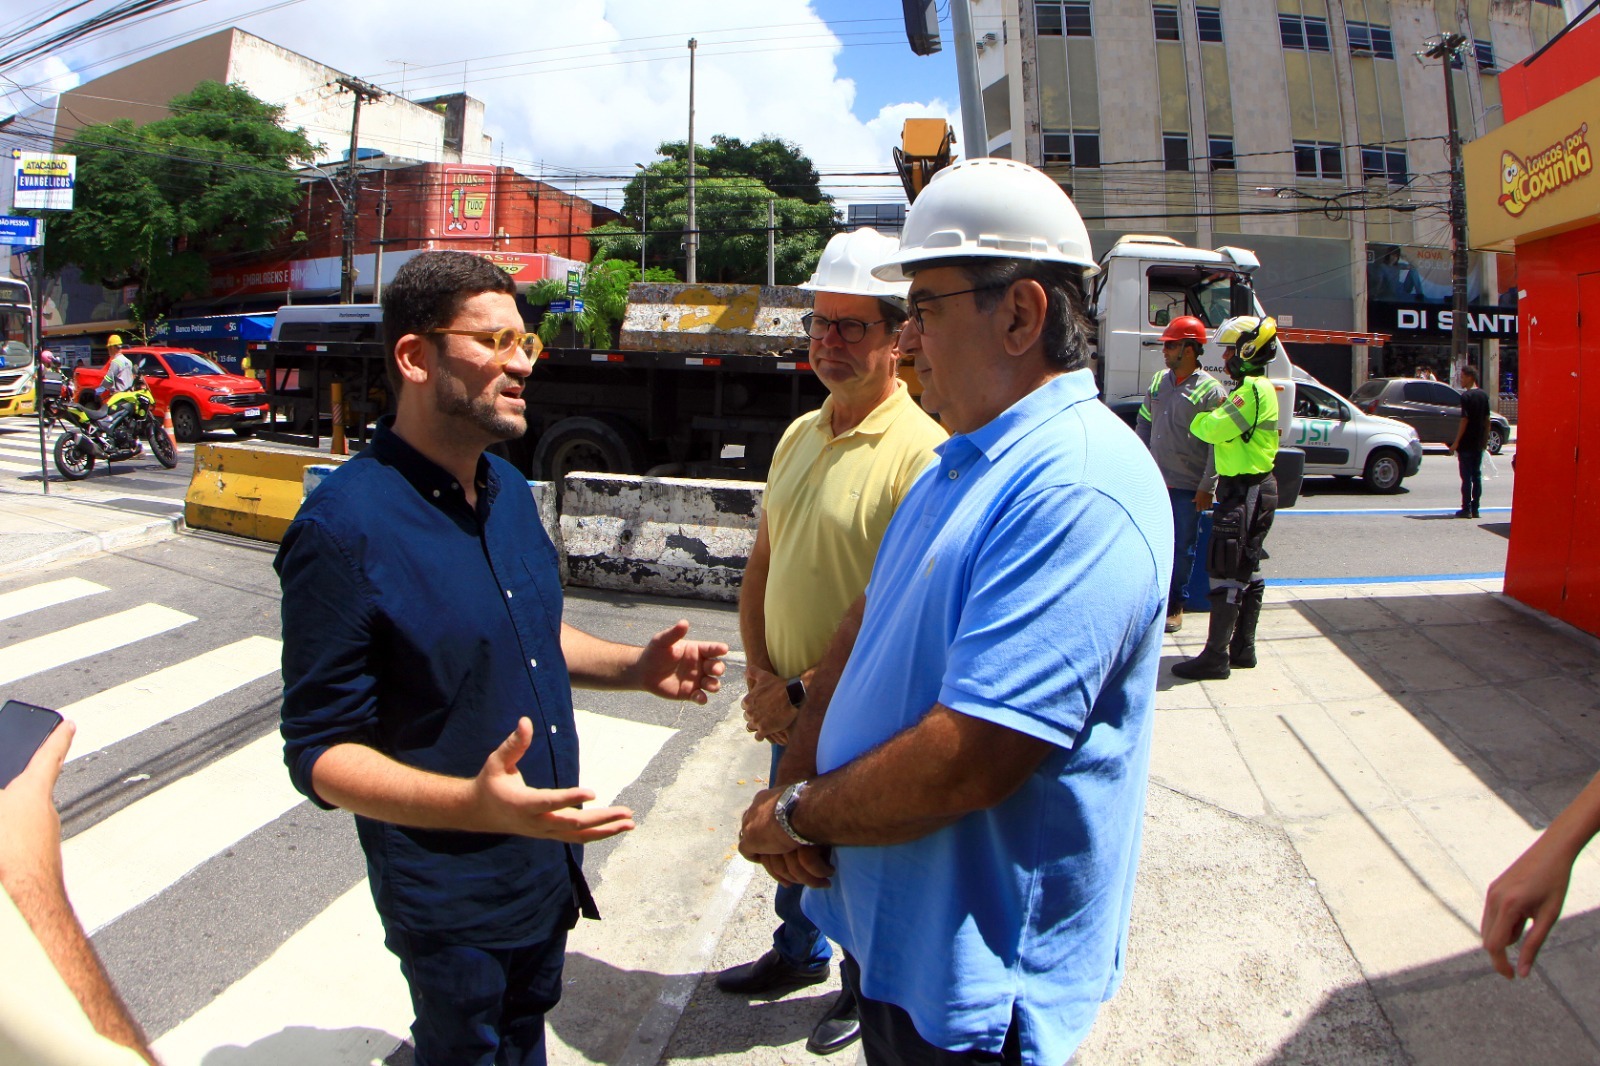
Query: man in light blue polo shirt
{"x": 980, "y": 771}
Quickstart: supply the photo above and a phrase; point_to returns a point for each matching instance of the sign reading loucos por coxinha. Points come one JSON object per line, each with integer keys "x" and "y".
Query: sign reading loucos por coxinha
{"x": 1537, "y": 175}
{"x": 44, "y": 181}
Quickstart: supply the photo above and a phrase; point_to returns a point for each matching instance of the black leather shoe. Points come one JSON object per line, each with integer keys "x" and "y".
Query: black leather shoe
{"x": 839, "y": 1028}
{"x": 769, "y": 973}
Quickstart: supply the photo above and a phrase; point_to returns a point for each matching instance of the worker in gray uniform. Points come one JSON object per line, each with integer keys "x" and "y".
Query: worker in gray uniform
{"x": 1176, "y": 395}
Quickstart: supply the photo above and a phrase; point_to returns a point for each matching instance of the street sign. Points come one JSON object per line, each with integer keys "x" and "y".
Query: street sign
{"x": 574, "y": 283}
{"x": 565, "y": 307}
{"x": 21, "y": 232}
{"x": 44, "y": 181}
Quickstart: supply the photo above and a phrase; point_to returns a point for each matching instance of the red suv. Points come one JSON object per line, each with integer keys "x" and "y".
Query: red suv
{"x": 199, "y": 393}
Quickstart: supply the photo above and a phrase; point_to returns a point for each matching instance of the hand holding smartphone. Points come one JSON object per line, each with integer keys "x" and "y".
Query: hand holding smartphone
{"x": 23, "y": 728}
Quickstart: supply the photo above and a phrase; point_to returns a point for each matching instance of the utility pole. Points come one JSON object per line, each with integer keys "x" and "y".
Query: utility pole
{"x": 644, "y": 213}
{"x": 772, "y": 243}
{"x": 347, "y": 272}
{"x": 693, "y": 237}
{"x": 377, "y": 257}
{"x": 1447, "y": 48}
{"x": 973, "y": 128}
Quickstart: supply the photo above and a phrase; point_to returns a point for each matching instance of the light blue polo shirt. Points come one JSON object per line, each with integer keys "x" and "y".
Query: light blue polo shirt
{"x": 1023, "y": 581}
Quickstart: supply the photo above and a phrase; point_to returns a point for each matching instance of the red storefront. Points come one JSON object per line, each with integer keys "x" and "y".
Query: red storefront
{"x": 1533, "y": 185}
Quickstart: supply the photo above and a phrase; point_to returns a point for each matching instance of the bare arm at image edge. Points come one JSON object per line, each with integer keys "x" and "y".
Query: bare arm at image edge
{"x": 51, "y": 962}
{"x": 1534, "y": 888}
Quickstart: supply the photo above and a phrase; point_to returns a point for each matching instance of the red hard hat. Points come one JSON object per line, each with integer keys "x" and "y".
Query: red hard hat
{"x": 1185, "y": 328}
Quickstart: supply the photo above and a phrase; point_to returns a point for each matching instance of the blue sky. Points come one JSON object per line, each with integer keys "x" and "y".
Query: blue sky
{"x": 887, "y": 73}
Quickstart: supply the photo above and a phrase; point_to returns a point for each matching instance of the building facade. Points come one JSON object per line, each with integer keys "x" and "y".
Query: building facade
{"x": 1304, "y": 130}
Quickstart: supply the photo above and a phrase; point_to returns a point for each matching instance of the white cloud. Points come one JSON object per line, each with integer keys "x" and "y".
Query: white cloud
{"x": 591, "y": 85}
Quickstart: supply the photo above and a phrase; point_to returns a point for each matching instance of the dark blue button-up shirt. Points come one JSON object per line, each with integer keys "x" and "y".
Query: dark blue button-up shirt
{"x": 425, "y": 628}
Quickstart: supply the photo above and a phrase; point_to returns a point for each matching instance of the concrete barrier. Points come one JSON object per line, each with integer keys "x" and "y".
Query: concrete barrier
{"x": 665, "y": 536}
{"x": 249, "y": 490}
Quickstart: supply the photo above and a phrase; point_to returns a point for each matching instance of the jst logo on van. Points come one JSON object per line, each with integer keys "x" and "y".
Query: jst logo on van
{"x": 1523, "y": 182}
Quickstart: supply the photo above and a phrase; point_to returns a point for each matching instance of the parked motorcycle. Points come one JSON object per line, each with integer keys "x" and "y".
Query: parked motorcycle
{"x": 114, "y": 433}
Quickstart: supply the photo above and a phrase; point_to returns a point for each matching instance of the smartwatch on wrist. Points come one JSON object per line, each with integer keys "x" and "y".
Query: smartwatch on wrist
{"x": 796, "y": 688}
{"x": 786, "y": 803}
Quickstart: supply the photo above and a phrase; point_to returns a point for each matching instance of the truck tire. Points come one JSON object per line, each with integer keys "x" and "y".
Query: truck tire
{"x": 185, "y": 421}
{"x": 1386, "y": 469}
{"x": 592, "y": 445}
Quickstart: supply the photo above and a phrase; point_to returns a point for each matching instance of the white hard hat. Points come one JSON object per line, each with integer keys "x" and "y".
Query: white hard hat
{"x": 847, "y": 266}
{"x": 992, "y": 209}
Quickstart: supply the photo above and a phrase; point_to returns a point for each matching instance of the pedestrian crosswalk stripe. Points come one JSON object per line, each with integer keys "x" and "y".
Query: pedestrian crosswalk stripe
{"x": 50, "y": 593}
{"x": 331, "y": 995}
{"x": 130, "y": 857}
{"x": 18, "y": 468}
{"x": 86, "y": 640}
{"x": 118, "y": 713}
{"x": 614, "y": 752}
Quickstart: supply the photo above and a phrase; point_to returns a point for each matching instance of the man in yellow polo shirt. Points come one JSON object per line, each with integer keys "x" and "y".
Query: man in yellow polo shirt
{"x": 836, "y": 478}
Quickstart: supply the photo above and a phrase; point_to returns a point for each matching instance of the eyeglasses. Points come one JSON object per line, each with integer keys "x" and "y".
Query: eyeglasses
{"x": 916, "y": 302}
{"x": 851, "y": 330}
{"x": 503, "y": 342}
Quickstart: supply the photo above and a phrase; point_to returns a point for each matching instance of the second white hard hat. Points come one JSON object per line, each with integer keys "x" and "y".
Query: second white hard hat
{"x": 992, "y": 209}
{"x": 847, "y": 265}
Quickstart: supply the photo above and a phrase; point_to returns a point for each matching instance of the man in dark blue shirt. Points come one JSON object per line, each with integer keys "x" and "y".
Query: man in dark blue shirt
{"x": 427, "y": 675}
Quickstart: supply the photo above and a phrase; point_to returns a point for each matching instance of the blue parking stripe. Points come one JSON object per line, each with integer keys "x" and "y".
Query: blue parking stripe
{"x": 1396, "y": 579}
{"x": 1386, "y": 510}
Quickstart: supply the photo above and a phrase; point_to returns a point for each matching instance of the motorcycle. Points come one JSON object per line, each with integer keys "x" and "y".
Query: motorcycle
{"x": 114, "y": 433}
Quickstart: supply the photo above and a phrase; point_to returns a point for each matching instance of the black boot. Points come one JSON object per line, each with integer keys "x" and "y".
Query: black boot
{"x": 1212, "y": 664}
{"x": 1242, "y": 649}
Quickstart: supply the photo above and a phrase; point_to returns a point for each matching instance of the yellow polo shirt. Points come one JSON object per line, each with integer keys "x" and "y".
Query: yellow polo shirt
{"x": 827, "y": 505}
{"x": 41, "y": 1023}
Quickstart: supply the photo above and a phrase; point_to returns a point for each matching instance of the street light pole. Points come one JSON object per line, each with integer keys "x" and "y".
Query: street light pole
{"x": 693, "y": 237}
{"x": 1446, "y": 48}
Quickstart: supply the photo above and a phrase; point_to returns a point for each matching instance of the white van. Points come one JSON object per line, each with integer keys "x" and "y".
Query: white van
{"x": 1341, "y": 440}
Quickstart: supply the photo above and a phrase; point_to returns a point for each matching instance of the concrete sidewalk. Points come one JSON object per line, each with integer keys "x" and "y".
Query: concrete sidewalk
{"x": 37, "y": 529}
{"x": 1320, "y": 834}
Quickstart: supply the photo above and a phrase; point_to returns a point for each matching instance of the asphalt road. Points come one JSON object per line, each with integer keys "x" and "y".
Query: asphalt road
{"x": 1340, "y": 531}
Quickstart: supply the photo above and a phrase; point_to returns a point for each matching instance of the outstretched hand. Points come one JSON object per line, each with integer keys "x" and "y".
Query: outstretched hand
{"x": 678, "y": 669}
{"x": 507, "y": 804}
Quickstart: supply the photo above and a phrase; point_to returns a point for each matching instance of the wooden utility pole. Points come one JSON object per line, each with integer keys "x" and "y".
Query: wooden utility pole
{"x": 347, "y": 265}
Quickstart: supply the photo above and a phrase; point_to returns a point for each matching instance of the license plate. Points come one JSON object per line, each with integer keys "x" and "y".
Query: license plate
{"x": 252, "y": 412}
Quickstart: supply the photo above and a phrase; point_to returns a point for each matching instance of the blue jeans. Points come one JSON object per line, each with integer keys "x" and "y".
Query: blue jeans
{"x": 1185, "y": 529}
{"x": 479, "y": 1006}
{"x": 797, "y": 941}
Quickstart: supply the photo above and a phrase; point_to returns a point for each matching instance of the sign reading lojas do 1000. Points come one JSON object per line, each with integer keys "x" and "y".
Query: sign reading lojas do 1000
{"x": 44, "y": 181}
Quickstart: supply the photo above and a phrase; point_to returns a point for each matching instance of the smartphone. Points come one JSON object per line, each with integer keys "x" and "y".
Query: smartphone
{"x": 23, "y": 727}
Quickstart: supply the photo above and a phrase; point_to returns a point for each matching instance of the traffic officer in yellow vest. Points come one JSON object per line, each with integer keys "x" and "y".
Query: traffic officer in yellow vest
{"x": 1244, "y": 432}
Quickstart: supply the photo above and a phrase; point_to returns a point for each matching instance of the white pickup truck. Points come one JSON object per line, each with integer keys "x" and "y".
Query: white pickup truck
{"x": 1144, "y": 283}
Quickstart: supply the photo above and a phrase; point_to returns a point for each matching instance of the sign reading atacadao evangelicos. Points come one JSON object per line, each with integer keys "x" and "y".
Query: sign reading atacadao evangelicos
{"x": 44, "y": 181}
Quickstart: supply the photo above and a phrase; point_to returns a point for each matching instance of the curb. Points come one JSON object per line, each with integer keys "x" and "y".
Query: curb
{"x": 95, "y": 543}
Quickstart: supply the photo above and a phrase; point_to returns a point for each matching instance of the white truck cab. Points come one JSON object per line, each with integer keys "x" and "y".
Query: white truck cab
{"x": 1147, "y": 281}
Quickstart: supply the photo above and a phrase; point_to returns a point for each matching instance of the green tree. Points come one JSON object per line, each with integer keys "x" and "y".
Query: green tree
{"x": 734, "y": 182}
{"x": 605, "y": 300}
{"x": 155, "y": 203}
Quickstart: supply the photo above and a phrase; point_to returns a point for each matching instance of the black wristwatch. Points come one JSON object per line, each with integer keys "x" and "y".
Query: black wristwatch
{"x": 796, "y": 688}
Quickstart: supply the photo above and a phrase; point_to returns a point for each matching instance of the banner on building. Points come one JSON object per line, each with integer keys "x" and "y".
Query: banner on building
{"x": 44, "y": 181}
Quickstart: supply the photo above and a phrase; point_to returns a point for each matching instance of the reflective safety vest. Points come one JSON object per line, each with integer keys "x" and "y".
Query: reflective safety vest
{"x": 1244, "y": 428}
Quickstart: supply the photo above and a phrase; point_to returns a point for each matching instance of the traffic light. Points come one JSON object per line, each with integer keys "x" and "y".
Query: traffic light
{"x": 922, "y": 25}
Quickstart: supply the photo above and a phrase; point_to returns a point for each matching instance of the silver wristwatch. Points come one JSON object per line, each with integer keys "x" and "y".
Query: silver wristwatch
{"x": 786, "y": 802}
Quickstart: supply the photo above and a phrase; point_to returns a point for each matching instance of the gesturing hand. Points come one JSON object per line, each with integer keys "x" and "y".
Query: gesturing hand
{"x": 1532, "y": 889}
{"x": 506, "y": 804}
{"x": 678, "y": 669}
